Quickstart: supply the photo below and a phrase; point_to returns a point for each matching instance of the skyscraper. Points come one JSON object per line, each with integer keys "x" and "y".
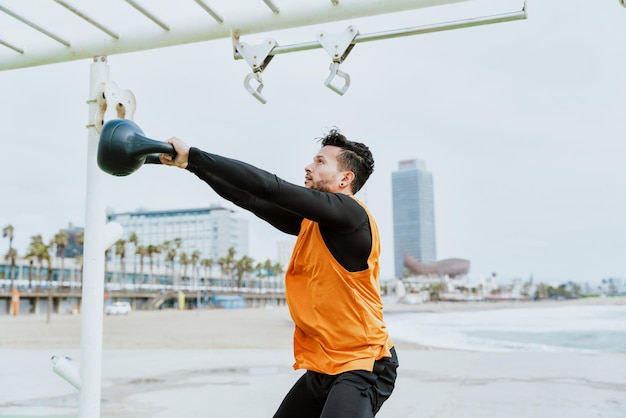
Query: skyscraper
{"x": 413, "y": 214}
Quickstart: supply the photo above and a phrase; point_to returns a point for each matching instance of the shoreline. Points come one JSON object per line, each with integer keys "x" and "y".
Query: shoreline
{"x": 270, "y": 327}
{"x": 449, "y": 306}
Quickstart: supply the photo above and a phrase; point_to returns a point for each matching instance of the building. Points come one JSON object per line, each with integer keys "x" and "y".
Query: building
{"x": 211, "y": 231}
{"x": 285, "y": 249}
{"x": 413, "y": 214}
{"x": 74, "y": 247}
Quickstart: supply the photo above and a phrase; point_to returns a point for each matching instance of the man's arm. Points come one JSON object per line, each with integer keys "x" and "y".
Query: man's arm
{"x": 278, "y": 217}
{"x": 328, "y": 209}
{"x": 343, "y": 222}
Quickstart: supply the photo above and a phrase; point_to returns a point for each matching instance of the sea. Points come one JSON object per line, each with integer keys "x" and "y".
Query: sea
{"x": 597, "y": 328}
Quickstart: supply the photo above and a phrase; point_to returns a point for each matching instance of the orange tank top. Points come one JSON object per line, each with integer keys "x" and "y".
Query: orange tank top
{"x": 338, "y": 314}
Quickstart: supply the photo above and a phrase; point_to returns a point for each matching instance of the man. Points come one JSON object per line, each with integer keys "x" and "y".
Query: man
{"x": 331, "y": 283}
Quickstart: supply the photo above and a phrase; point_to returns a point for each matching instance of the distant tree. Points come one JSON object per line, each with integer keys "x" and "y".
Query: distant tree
{"x": 80, "y": 241}
{"x": 48, "y": 259}
{"x": 36, "y": 251}
{"x": 434, "y": 290}
{"x": 241, "y": 267}
{"x": 170, "y": 258}
{"x": 207, "y": 264}
{"x": 539, "y": 292}
{"x": 39, "y": 251}
{"x": 61, "y": 240}
{"x": 227, "y": 263}
{"x": 195, "y": 258}
{"x": 151, "y": 250}
{"x": 141, "y": 251}
{"x": 277, "y": 269}
{"x": 184, "y": 261}
{"x": 120, "y": 251}
{"x": 7, "y": 232}
{"x": 134, "y": 239}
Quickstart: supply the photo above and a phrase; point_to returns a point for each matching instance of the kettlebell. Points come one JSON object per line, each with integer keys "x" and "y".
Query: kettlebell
{"x": 123, "y": 148}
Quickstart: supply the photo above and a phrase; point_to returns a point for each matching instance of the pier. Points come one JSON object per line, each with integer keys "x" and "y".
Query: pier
{"x": 67, "y": 300}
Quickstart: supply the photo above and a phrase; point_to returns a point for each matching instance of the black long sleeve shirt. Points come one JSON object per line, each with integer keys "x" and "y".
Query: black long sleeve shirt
{"x": 343, "y": 222}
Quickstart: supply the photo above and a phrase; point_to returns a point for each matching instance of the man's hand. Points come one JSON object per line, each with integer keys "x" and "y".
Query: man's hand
{"x": 182, "y": 151}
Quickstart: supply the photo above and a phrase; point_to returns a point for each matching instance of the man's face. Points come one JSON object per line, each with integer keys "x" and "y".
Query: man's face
{"x": 323, "y": 173}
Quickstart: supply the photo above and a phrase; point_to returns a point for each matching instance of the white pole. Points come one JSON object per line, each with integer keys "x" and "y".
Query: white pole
{"x": 93, "y": 279}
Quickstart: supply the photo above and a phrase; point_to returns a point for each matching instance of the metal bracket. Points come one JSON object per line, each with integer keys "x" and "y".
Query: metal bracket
{"x": 113, "y": 103}
{"x": 258, "y": 57}
{"x": 338, "y": 46}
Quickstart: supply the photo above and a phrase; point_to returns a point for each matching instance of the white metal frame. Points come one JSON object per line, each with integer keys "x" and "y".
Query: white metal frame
{"x": 206, "y": 25}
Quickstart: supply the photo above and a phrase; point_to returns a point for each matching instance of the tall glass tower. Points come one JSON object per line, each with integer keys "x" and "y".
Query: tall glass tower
{"x": 413, "y": 214}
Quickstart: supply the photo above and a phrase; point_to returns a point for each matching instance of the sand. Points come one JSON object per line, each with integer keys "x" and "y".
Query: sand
{"x": 237, "y": 363}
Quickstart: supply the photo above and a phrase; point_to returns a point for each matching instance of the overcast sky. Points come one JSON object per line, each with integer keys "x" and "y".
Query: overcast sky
{"x": 521, "y": 124}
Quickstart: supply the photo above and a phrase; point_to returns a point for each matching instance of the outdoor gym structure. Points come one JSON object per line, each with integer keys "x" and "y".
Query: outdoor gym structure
{"x": 54, "y": 31}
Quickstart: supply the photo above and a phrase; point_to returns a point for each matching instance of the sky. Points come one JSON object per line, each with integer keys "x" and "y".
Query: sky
{"x": 520, "y": 123}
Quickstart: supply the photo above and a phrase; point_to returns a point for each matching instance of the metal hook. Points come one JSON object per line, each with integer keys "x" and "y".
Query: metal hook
{"x": 258, "y": 57}
{"x": 338, "y": 47}
{"x": 335, "y": 71}
{"x": 255, "y": 92}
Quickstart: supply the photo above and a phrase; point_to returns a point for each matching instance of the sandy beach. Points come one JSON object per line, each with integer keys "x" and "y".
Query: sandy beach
{"x": 237, "y": 363}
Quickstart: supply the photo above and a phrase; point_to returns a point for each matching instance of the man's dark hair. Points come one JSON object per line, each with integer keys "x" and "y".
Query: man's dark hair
{"x": 355, "y": 157}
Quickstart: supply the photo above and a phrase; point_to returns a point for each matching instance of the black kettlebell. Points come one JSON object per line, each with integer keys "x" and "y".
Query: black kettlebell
{"x": 123, "y": 148}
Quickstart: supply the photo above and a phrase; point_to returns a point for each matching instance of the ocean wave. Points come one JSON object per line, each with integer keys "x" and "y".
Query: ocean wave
{"x": 557, "y": 329}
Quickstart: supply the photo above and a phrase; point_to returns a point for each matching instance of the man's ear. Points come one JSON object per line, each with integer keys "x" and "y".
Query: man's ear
{"x": 348, "y": 176}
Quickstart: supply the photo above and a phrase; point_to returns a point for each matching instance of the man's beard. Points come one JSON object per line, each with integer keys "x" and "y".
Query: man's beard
{"x": 320, "y": 186}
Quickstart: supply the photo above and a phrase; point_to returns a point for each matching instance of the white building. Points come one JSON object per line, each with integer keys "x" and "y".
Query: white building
{"x": 211, "y": 231}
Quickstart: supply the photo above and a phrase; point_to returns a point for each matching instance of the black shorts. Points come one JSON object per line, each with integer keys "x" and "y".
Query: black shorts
{"x": 353, "y": 394}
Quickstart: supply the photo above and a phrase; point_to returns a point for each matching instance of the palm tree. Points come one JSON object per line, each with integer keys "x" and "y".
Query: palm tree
{"x": 141, "y": 251}
{"x": 36, "y": 251}
{"x": 243, "y": 266}
{"x": 184, "y": 262}
{"x": 134, "y": 239}
{"x": 31, "y": 262}
{"x": 226, "y": 263}
{"x": 195, "y": 257}
{"x": 170, "y": 257}
{"x": 267, "y": 266}
{"x": 258, "y": 268}
{"x": 151, "y": 250}
{"x": 10, "y": 257}
{"x": 61, "y": 240}
{"x": 120, "y": 250}
{"x": 7, "y": 231}
{"x": 48, "y": 259}
{"x": 80, "y": 240}
{"x": 207, "y": 264}
{"x": 79, "y": 260}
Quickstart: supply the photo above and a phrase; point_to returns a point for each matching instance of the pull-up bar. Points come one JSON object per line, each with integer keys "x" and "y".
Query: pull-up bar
{"x": 262, "y": 54}
{"x": 198, "y": 27}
